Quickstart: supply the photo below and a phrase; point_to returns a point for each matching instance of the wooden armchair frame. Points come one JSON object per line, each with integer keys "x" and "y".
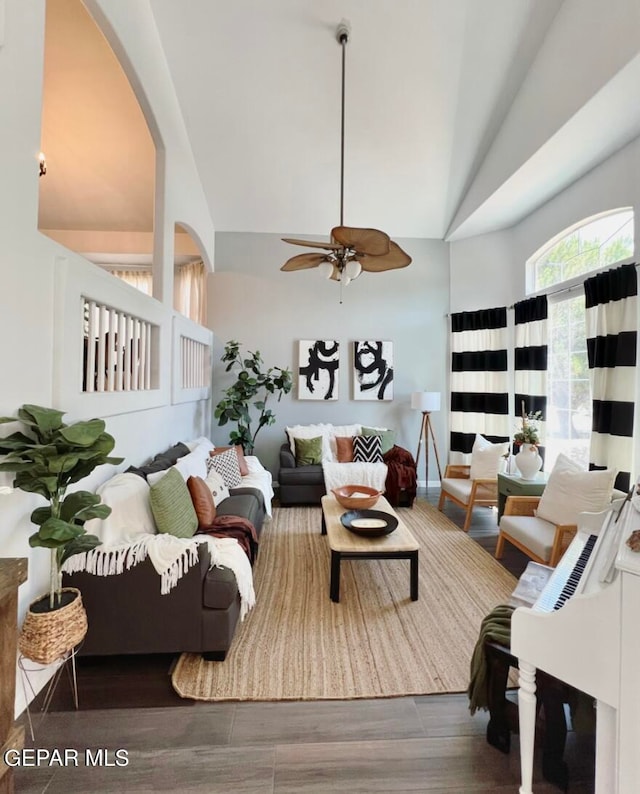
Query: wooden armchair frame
{"x": 526, "y": 506}
{"x": 484, "y": 491}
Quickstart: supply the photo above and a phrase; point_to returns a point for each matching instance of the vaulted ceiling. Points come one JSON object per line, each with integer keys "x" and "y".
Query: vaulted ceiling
{"x": 430, "y": 85}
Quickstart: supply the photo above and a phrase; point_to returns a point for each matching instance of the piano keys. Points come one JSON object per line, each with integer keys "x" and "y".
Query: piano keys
{"x": 561, "y": 587}
{"x": 584, "y": 629}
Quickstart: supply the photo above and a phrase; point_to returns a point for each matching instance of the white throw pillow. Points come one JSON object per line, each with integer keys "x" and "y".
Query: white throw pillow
{"x": 310, "y": 431}
{"x": 487, "y": 459}
{"x": 572, "y": 490}
{"x": 216, "y": 485}
{"x": 198, "y": 441}
{"x": 192, "y": 465}
{"x": 127, "y": 495}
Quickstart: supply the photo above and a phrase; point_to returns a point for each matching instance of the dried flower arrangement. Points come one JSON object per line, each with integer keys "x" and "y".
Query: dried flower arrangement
{"x": 529, "y": 431}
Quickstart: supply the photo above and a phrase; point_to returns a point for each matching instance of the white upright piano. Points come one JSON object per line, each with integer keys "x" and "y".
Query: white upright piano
{"x": 584, "y": 629}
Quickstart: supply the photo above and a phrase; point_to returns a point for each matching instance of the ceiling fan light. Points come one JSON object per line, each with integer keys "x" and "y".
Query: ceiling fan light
{"x": 345, "y": 279}
{"x": 353, "y": 269}
{"x": 326, "y": 269}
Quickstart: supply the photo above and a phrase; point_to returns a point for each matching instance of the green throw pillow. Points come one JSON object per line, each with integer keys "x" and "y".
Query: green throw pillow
{"x": 308, "y": 451}
{"x": 387, "y": 437}
{"x": 172, "y": 507}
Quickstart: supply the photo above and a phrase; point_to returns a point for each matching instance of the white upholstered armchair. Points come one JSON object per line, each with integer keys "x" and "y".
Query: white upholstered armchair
{"x": 477, "y": 484}
{"x": 458, "y": 486}
{"x": 543, "y": 526}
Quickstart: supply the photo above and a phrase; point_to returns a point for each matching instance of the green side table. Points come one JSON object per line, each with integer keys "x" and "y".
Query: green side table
{"x": 514, "y": 485}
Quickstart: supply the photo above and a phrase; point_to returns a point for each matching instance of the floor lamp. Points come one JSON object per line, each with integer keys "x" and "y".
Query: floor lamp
{"x": 426, "y": 401}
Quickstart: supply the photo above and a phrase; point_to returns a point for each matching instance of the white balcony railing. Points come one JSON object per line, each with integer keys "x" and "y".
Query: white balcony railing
{"x": 117, "y": 349}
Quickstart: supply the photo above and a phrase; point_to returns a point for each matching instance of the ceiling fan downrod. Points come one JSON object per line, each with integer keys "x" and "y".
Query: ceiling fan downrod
{"x": 351, "y": 250}
{"x": 342, "y": 35}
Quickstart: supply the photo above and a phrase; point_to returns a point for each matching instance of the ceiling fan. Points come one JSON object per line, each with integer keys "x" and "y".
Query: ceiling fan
{"x": 352, "y": 249}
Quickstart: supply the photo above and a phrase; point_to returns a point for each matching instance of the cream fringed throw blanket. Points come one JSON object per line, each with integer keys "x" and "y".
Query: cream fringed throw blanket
{"x": 355, "y": 473}
{"x": 171, "y": 557}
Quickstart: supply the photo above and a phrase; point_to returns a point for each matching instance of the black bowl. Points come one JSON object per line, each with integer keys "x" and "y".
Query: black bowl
{"x": 369, "y": 523}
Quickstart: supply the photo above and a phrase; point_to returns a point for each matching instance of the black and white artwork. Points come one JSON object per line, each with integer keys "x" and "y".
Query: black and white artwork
{"x": 318, "y": 362}
{"x": 372, "y": 370}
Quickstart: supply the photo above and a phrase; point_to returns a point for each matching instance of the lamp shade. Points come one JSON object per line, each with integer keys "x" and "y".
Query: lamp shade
{"x": 425, "y": 400}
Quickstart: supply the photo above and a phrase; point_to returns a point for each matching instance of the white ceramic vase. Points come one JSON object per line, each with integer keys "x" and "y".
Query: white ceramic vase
{"x": 528, "y": 461}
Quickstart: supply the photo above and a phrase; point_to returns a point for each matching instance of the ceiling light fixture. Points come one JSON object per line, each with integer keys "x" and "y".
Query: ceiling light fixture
{"x": 351, "y": 249}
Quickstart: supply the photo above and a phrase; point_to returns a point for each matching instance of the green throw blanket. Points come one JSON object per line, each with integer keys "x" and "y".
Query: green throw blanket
{"x": 495, "y": 627}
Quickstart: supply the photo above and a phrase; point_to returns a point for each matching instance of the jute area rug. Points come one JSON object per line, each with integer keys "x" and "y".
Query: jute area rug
{"x": 296, "y": 644}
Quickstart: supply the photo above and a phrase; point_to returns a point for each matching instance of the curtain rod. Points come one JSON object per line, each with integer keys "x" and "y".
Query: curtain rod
{"x": 559, "y": 291}
{"x": 563, "y": 289}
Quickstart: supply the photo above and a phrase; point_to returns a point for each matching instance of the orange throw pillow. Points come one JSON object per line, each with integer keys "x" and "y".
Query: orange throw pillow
{"x": 242, "y": 463}
{"x": 344, "y": 449}
{"x": 202, "y": 499}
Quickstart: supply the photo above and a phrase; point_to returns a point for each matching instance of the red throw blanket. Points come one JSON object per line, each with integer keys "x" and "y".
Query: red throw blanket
{"x": 402, "y": 477}
{"x": 235, "y": 527}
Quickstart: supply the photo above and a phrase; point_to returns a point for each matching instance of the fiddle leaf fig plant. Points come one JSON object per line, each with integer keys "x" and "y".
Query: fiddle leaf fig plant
{"x": 252, "y": 389}
{"x": 47, "y": 458}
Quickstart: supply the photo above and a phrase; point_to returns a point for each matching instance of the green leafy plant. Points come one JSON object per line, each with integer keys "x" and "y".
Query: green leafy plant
{"x": 47, "y": 458}
{"x": 252, "y": 389}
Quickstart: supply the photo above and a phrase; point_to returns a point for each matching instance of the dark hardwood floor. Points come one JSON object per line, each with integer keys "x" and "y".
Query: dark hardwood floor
{"x": 413, "y": 744}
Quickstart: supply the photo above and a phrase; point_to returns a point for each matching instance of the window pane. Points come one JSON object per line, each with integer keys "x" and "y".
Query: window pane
{"x": 569, "y": 404}
{"x": 598, "y": 242}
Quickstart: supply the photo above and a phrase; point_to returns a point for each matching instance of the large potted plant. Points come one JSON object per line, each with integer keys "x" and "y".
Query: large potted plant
{"x": 47, "y": 457}
{"x": 251, "y": 390}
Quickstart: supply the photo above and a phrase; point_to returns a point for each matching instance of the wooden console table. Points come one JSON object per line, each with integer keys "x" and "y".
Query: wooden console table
{"x": 13, "y": 572}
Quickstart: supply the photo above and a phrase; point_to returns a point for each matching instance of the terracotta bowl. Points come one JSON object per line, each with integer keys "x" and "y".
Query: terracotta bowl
{"x": 364, "y": 498}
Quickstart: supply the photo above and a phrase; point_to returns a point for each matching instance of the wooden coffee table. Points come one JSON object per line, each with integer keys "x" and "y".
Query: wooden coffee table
{"x": 398, "y": 545}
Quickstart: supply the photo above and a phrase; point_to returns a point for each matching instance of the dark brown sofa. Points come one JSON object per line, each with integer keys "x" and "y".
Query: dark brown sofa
{"x": 127, "y": 614}
{"x": 301, "y": 485}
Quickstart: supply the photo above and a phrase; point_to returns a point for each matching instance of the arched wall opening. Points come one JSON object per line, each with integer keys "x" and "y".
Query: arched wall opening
{"x": 97, "y": 195}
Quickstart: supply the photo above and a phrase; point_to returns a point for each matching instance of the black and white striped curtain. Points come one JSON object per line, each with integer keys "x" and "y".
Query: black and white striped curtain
{"x": 612, "y": 322}
{"x": 530, "y": 360}
{"x": 479, "y": 380}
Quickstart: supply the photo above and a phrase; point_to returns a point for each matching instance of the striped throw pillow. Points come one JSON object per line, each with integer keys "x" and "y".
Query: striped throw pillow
{"x": 367, "y": 449}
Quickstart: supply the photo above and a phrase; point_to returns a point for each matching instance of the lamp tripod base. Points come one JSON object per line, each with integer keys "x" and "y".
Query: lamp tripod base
{"x": 426, "y": 430}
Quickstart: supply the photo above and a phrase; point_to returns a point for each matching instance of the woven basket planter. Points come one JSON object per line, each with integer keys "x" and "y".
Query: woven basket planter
{"x": 49, "y": 635}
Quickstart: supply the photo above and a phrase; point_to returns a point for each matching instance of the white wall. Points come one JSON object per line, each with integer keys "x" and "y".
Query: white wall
{"x": 489, "y": 270}
{"x": 614, "y": 183}
{"x": 484, "y": 273}
{"x": 253, "y": 301}
{"x": 27, "y": 258}
{"x": 577, "y": 61}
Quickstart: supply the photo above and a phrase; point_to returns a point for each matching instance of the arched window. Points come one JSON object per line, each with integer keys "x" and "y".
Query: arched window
{"x": 558, "y": 268}
{"x": 591, "y": 244}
